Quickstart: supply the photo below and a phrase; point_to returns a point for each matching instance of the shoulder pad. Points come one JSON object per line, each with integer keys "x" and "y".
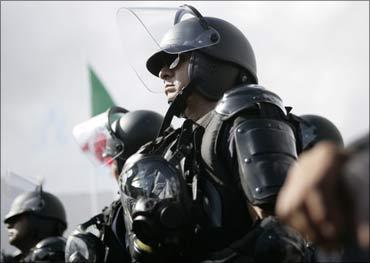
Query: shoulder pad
{"x": 51, "y": 249}
{"x": 57, "y": 243}
{"x": 84, "y": 247}
{"x": 244, "y": 97}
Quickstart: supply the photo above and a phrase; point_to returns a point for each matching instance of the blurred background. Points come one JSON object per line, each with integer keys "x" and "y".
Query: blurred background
{"x": 314, "y": 55}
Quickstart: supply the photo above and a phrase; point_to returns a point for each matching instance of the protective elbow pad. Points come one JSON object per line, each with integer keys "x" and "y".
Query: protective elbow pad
{"x": 265, "y": 149}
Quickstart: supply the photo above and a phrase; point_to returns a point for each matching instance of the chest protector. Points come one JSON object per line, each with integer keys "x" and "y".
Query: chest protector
{"x": 251, "y": 124}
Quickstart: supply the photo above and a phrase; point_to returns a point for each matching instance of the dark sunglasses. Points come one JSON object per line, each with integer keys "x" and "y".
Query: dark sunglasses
{"x": 178, "y": 60}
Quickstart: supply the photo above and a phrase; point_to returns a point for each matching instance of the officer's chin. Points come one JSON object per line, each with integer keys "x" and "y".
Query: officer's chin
{"x": 12, "y": 235}
{"x": 12, "y": 239}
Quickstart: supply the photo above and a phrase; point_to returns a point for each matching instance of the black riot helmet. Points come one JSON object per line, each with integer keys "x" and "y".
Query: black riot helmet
{"x": 136, "y": 128}
{"x": 221, "y": 57}
{"x": 316, "y": 128}
{"x": 39, "y": 203}
{"x": 227, "y": 60}
{"x": 116, "y": 134}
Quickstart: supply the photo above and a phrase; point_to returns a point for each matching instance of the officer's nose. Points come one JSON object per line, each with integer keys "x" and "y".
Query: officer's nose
{"x": 165, "y": 73}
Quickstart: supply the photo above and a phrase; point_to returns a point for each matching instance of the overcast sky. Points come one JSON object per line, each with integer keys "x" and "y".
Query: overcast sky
{"x": 315, "y": 55}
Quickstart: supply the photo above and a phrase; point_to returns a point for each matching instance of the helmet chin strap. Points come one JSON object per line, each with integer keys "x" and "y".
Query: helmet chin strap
{"x": 177, "y": 106}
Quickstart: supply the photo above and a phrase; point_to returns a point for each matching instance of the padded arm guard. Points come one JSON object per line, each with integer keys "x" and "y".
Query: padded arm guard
{"x": 264, "y": 139}
{"x": 265, "y": 149}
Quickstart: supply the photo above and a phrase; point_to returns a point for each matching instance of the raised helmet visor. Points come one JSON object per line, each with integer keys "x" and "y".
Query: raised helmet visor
{"x": 154, "y": 36}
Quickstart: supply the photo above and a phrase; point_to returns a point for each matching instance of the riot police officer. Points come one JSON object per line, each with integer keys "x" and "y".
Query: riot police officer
{"x": 206, "y": 191}
{"x": 111, "y": 138}
{"x": 36, "y": 223}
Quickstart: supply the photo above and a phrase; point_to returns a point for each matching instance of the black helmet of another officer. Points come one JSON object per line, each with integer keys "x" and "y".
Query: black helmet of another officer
{"x": 34, "y": 216}
{"x": 224, "y": 59}
{"x": 316, "y": 128}
{"x": 40, "y": 203}
{"x": 134, "y": 129}
{"x": 113, "y": 136}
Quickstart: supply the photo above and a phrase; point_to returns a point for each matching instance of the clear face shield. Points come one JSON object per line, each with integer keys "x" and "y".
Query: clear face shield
{"x": 97, "y": 140}
{"x": 146, "y": 31}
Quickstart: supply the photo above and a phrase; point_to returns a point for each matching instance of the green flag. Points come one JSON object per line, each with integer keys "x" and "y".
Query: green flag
{"x": 100, "y": 98}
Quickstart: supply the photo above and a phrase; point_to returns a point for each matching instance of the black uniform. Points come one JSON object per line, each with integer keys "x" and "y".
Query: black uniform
{"x": 211, "y": 222}
{"x": 219, "y": 178}
{"x": 185, "y": 196}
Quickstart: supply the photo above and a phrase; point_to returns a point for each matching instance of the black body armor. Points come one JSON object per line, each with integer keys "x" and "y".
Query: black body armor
{"x": 264, "y": 138}
{"x": 223, "y": 169}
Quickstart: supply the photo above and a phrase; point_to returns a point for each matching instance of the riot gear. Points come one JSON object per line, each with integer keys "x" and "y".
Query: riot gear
{"x": 116, "y": 134}
{"x": 100, "y": 238}
{"x": 223, "y": 42}
{"x": 221, "y": 56}
{"x": 214, "y": 68}
{"x": 156, "y": 205}
{"x": 49, "y": 250}
{"x": 36, "y": 222}
{"x": 259, "y": 121}
{"x": 231, "y": 159}
{"x": 136, "y": 128}
{"x": 39, "y": 203}
{"x": 264, "y": 140}
{"x": 84, "y": 246}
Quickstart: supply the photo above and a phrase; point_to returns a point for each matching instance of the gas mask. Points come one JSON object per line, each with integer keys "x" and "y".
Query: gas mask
{"x": 157, "y": 207}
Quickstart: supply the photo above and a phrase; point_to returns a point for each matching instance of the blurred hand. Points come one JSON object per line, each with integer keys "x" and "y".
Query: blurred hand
{"x": 313, "y": 199}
